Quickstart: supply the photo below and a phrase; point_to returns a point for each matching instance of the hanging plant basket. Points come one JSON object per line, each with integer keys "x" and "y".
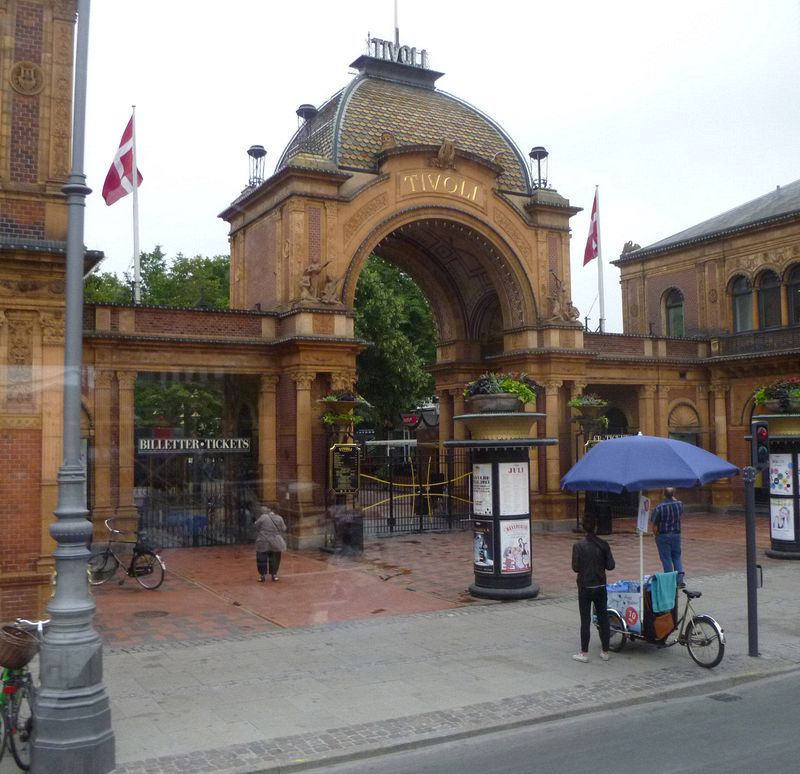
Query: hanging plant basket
{"x": 591, "y": 411}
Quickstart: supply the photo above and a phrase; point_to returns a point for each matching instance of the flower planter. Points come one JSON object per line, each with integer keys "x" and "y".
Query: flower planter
{"x": 494, "y": 403}
{"x": 498, "y": 426}
{"x": 772, "y": 405}
{"x": 591, "y": 411}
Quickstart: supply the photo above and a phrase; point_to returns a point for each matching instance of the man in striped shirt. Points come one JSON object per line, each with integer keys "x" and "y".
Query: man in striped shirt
{"x": 667, "y": 530}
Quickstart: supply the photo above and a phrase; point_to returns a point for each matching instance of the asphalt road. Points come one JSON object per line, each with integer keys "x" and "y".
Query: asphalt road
{"x": 738, "y": 731}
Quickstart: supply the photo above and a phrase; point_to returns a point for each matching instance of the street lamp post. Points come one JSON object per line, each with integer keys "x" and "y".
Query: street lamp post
{"x": 72, "y": 729}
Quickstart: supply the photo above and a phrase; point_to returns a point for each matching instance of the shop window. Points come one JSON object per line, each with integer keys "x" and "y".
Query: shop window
{"x": 769, "y": 300}
{"x": 674, "y": 310}
{"x": 793, "y": 293}
{"x": 742, "y": 291}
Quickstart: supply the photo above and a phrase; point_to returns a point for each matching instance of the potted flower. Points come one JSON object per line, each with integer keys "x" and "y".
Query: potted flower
{"x": 500, "y": 392}
{"x": 590, "y": 404}
{"x": 782, "y": 395}
{"x": 340, "y": 401}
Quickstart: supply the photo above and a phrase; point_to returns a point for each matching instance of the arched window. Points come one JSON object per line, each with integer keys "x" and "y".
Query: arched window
{"x": 674, "y": 312}
{"x": 769, "y": 300}
{"x": 793, "y": 293}
{"x": 742, "y": 290}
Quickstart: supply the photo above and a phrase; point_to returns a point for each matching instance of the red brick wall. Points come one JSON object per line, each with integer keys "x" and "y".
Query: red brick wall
{"x": 20, "y": 499}
{"x": 610, "y": 344}
{"x": 24, "y": 156}
{"x": 20, "y": 220}
{"x": 194, "y": 323}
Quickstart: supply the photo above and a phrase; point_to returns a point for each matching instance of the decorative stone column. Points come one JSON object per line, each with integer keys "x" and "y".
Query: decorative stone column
{"x": 445, "y": 417}
{"x": 101, "y": 478}
{"x": 459, "y": 430}
{"x": 720, "y": 418}
{"x": 268, "y": 439}
{"x": 343, "y": 381}
{"x": 647, "y": 394}
{"x": 662, "y": 410}
{"x": 552, "y": 414}
{"x": 127, "y": 441}
{"x": 303, "y": 433}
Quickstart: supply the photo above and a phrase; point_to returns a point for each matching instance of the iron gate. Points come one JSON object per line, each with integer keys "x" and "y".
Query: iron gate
{"x": 407, "y": 488}
{"x": 195, "y": 499}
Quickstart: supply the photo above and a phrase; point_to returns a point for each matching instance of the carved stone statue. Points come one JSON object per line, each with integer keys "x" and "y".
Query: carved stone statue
{"x": 312, "y": 281}
{"x": 630, "y": 247}
{"x": 388, "y": 141}
{"x": 330, "y": 293}
{"x": 445, "y": 158}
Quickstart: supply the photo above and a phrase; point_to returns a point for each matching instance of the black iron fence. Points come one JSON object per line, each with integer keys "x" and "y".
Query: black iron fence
{"x": 406, "y": 488}
{"x": 193, "y": 501}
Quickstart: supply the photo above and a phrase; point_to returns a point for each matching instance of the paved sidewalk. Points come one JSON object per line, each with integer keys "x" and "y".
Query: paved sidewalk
{"x": 344, "y": 657}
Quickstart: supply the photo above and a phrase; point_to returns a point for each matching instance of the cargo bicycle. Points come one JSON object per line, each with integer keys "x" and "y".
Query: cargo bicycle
{"x": 19, "y": 643}
{"x": 702, "y": 636}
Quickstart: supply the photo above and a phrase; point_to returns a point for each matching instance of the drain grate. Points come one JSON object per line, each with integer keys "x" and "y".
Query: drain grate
{"x": 150, "y": 614}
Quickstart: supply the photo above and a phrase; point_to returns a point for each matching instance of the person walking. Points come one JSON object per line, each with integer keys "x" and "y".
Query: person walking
{"x": 666, "y": 521}
{"x": 270, "y": 543}
{"x": 591, "y": 557}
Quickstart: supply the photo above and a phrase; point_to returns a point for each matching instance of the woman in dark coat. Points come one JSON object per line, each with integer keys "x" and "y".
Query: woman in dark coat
{"x": 591, "y": 557}
{"x": 270, "y": 543}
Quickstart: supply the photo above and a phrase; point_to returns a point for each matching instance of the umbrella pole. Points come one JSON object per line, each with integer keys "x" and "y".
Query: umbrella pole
{"x": 641, "y": 580}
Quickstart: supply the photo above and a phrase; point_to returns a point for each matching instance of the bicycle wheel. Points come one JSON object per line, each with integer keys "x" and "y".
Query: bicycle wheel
{"x": 618, "y": 636}
{"x": 148, "y": 570}
{"x": 20, "y": 720}
{"x": 705, "y": 641}
{"x": 102, "y": 567}
{"x": 2, "y": 731}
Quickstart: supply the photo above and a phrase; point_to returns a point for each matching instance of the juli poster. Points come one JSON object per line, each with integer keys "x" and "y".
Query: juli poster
{"x": 483, "y": 548}
{"x": 780, "y": 474}
{"x": 781, "y": 518}
{"x": 515, "y": 546}
{"x": 514, "y": 492}
{"x": 482, "y": 489}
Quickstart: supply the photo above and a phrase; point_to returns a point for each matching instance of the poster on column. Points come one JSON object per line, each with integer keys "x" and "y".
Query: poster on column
{"x": 482, "y": 489}
{"x": 483, "y": 548}
{"x": 780, "y": 474}
{"x": 515, "y": 546}
{"x": 781, "y": 518}
{"x": 514, "y": 489}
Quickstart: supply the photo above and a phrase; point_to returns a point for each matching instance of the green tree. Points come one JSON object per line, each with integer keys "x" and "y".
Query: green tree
{"x": 393, "y": 315}
{"x": 183, "y": 281}
{"x": 106, "y": 287}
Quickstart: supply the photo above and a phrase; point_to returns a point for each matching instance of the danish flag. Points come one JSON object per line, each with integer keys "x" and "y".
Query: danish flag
{"x": 119, "y": 180}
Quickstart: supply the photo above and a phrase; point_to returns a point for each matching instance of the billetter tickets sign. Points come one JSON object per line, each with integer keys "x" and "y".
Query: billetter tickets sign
{"x": 192, "y": 445}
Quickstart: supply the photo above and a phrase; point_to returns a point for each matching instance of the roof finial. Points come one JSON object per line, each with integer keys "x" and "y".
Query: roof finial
{"x": 396, "y": 28}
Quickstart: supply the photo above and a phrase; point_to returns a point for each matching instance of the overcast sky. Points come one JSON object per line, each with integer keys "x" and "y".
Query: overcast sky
{"x": 679, "y": 111}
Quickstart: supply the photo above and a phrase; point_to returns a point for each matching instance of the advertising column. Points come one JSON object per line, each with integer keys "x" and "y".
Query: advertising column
{"x": 502, "y": 550}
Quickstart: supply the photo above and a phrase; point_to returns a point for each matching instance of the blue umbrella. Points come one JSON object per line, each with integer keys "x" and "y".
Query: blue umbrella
{"x": 636, "y": 462}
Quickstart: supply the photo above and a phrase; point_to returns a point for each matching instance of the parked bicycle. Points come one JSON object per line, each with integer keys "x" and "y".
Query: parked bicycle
{"x": 701, "y": 634}
{"x": 18, "y": 645}
{"x": 145, "y": 564}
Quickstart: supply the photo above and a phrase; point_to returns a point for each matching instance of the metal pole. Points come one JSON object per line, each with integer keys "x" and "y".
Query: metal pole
{"x": 72, "y": 730}
{"x": 752, "y": 579}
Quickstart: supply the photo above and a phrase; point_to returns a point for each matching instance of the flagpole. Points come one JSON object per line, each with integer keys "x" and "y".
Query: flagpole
{"x": 599, "y": 261}
{"x": 135, "y": 182}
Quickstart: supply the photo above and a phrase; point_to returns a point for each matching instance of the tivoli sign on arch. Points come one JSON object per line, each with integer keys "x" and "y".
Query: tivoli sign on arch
{"x": 428, "y": 182}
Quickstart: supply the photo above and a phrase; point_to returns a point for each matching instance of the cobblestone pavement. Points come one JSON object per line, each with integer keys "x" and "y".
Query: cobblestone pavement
{"x": 347, "y": 656}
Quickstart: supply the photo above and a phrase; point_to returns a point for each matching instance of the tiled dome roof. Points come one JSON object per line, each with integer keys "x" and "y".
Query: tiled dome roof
{"x": 346, "y": 131}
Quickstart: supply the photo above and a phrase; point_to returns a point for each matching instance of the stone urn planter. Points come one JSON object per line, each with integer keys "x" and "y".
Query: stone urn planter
{"x": 501, "y": 402}
{"x": 591, "y": 411}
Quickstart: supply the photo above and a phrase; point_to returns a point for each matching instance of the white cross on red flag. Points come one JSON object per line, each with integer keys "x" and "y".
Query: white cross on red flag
{"x": 593, "y": 241}
{"x": 119, "y": 180}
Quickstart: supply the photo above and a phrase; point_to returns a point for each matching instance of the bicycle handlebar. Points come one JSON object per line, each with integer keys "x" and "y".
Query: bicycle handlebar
{"x": 36, "y": 625}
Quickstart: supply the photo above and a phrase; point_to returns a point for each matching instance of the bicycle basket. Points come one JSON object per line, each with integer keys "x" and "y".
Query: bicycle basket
{"x": 17, "y": 647}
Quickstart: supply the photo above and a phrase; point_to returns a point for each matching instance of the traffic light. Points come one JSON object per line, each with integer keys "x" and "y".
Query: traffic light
{"x": 759, "y": 445}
